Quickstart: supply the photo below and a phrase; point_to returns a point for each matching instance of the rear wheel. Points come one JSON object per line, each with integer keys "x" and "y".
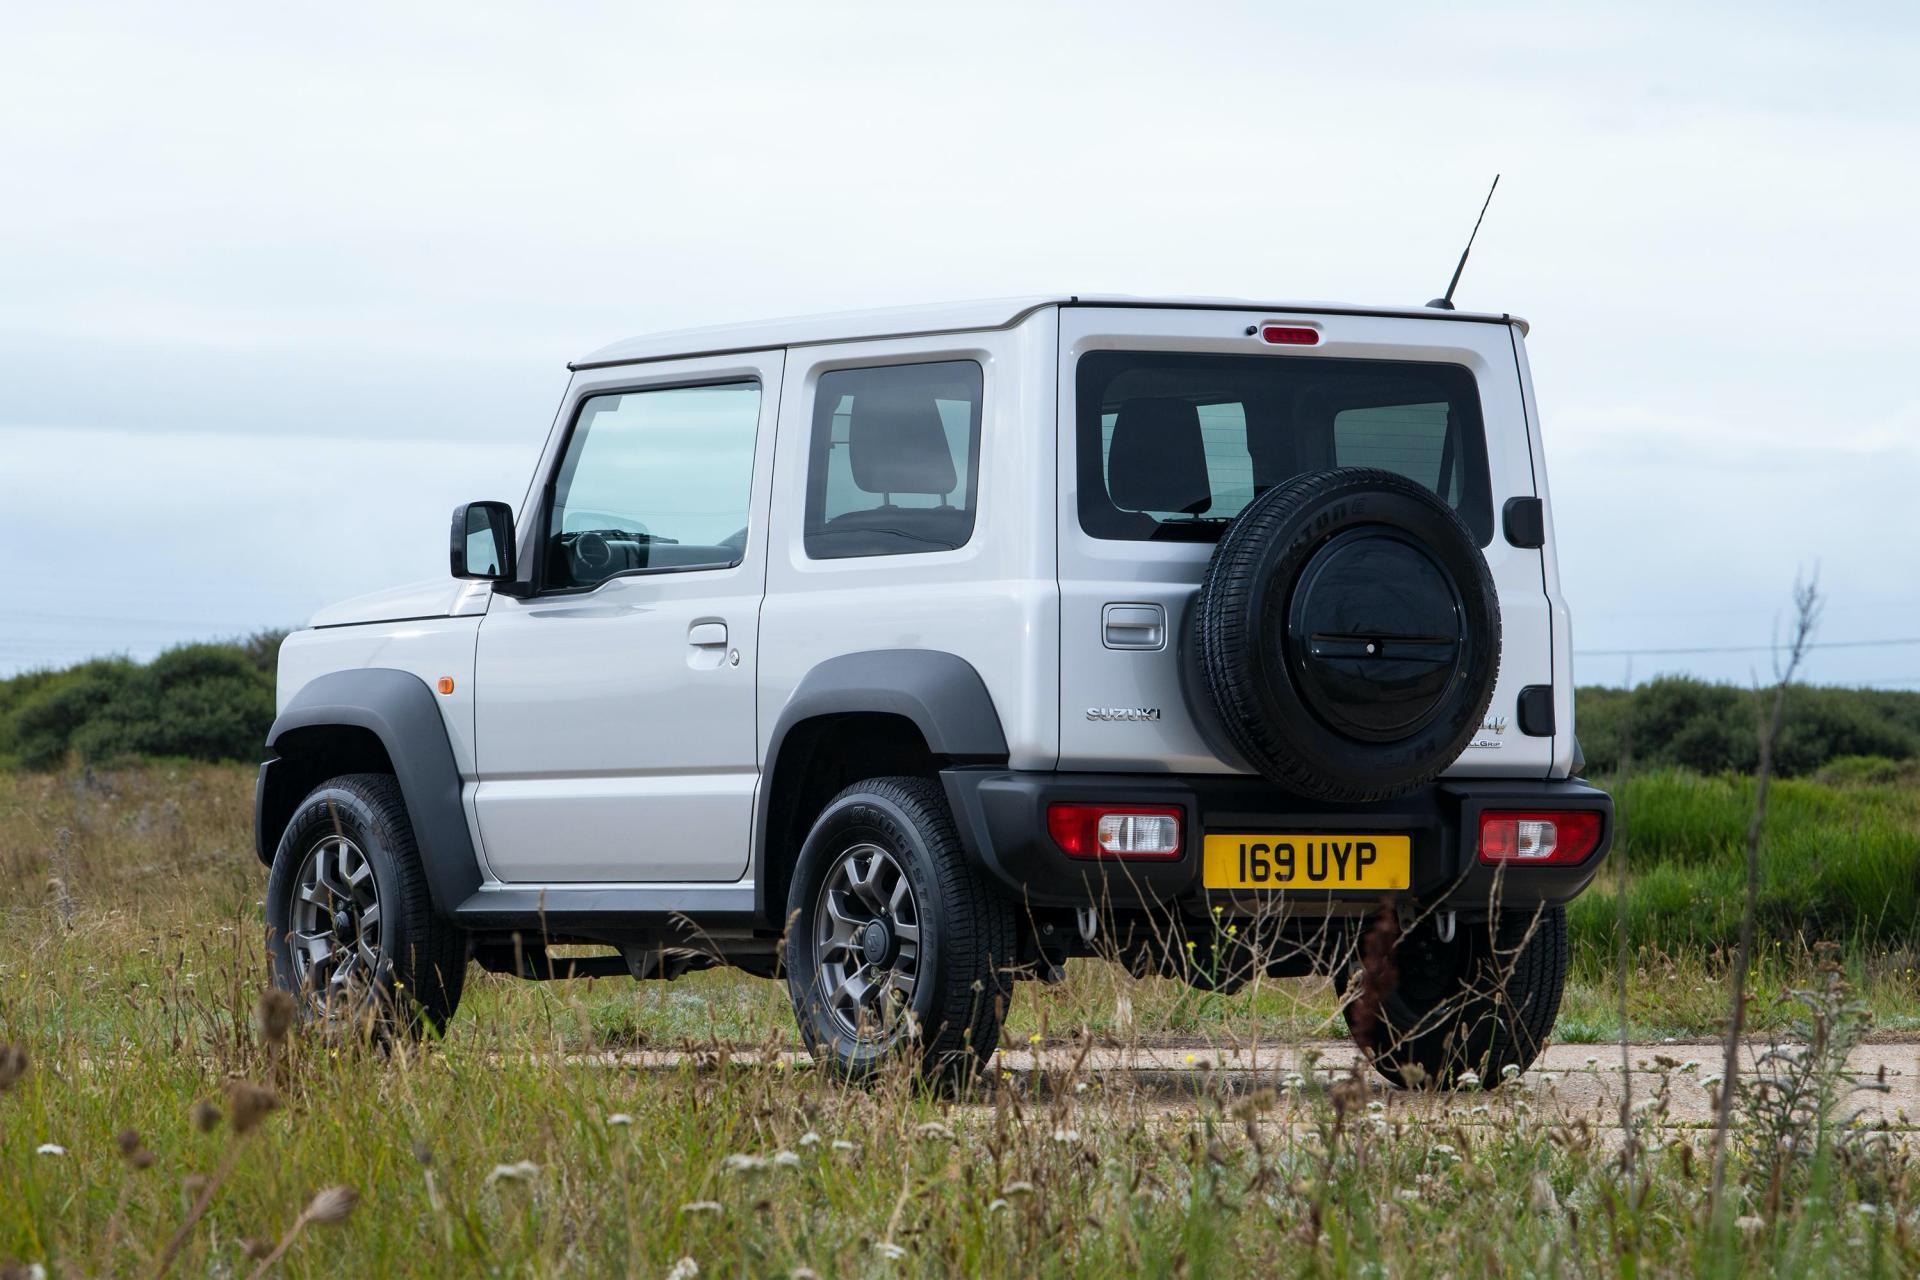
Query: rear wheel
{"x": 1481, "y": 1002}
{"x": 351, "y": 931}
{"x": 895, "y": 947}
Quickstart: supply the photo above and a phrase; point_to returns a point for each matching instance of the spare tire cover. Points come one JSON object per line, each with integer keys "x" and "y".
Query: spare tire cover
{"x": 1349, "y": 634}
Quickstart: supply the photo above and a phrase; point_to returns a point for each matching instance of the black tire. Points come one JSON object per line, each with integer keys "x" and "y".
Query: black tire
{"x": 964, "y": 946}
{"x": 420, "y": 961}
{"x": 1482, "y": 1003}
{"x": 1348, "y": 635}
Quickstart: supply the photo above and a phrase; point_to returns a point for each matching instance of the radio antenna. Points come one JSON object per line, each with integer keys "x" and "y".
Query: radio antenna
{"x": 1445, "y": 301}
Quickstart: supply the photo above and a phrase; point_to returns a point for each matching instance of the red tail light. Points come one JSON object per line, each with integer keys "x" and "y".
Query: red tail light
{"x": 1289, "y": 335}
{"x": 1114, "y": 830}
{"x": 1552, "y": 839}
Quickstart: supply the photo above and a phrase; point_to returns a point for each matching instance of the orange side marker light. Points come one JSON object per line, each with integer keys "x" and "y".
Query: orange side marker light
{"x": 446, "y": 684}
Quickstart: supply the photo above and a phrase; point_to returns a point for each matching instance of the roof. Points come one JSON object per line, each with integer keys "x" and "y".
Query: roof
{"x": 956, "y": 317}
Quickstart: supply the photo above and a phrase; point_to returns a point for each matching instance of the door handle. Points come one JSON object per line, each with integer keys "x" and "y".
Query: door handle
{"x": 1134, "y": 626}
{"x": 707, "y": 635}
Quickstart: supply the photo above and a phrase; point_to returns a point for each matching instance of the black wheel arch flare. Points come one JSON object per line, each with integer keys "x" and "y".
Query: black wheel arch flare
{"x": 939, "y": 692}
{"x": 400, "y": 711}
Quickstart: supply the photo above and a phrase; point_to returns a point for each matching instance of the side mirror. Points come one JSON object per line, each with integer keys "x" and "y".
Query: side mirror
{"x": 483, "y": 541}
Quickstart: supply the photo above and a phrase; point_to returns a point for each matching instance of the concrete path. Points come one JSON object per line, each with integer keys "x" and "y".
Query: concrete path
{"x": 1569, "y": 1082}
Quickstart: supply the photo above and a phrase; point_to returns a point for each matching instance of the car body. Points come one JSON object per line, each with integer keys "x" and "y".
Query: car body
{"x": 627, "y": 738}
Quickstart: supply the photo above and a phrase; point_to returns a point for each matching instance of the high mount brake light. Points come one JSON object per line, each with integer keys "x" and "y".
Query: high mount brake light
{"x": 1553, "y": 839}
{"x": 1114, "y": 830}
{"x": 1289, "y": 335}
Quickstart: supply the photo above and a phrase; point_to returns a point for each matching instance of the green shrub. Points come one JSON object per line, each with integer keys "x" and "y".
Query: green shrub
{"x": 201, "y": 702}
{"x": 1711, "y": 728}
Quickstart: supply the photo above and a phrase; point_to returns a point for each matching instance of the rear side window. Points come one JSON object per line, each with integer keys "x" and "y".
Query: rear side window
{"x": 895, "y": 459}
{"x": 1172, "y": 445}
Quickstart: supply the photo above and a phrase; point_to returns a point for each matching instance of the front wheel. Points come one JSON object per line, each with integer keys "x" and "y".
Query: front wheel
{"x": 1483, "y": 1001}
{"x": 896, "y": 950}
{"x": 350, "y": 928}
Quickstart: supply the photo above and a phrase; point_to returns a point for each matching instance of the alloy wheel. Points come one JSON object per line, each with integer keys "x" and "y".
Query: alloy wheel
{"x": 867, "y": 943}
{"x": 336, "y": 936}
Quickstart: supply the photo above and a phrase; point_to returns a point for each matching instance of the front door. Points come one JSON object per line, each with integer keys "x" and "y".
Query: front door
{"x": 615, "y": 706}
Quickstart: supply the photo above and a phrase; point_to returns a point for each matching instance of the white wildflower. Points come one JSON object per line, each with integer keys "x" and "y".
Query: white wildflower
{"x": 809, "y": 1139}
{"x": 742, "y": 1162}
{"x": 519, "y": 1171}
{"x": 1509, "y": 1071}
{"x": 1376, "y": 1106}
{"x": 996, "y": 1205}
{"x": 841, "y": 1144}
{"x": 50, "y": 1149}
{"x": 702, "y": 1206}
{"x": 936, "y": 1131}
{"x": 685, "y": 1269}
{"x": 1017, "y": 1188}
{"x": 1468, "y": 1080}
{"x": 1066, "y": 1135}
{"x": 619, "y": 1117}
{"x": 786, "y": 1159}
{"x": 889, "y": 1250}
{"x": 1750, "y": 1223}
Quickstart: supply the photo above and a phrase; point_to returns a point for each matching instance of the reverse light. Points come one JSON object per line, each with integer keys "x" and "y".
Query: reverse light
{"x": 1289, "y": 335}
{"x": 1553, "y": 839}
{"x": 1114, "y": 831}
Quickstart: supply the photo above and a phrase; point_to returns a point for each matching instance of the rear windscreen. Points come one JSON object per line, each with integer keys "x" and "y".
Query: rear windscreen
{"x": 1172, "y": 445}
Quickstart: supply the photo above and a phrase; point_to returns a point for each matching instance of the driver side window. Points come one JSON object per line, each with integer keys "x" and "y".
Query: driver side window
{"x": 654, "y": 481}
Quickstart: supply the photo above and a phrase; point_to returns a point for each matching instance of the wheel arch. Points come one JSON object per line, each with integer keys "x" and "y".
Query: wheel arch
{"x": 372, "y": 720}
{"x": 858, "y": 715}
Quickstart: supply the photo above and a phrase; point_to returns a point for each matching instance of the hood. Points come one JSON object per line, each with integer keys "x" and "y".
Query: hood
{"x": 433, "y": 598}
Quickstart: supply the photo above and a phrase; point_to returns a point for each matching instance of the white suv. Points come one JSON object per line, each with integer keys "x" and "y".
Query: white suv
{"x": 908, "y": 653}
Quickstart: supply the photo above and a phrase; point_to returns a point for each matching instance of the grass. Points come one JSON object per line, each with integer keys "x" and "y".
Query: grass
{"x": 130, "y": 968}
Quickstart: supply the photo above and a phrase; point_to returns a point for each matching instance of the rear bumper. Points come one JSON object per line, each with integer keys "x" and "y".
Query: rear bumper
{"x": 1002, "y": 816}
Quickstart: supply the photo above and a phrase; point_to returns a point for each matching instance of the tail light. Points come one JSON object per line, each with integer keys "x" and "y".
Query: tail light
{"x": 1552, "y": 839}
{"x": 1114, "y": 831}
{"x": 1289, "y": 335}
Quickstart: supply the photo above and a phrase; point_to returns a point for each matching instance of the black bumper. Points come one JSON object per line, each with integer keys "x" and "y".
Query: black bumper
{"x": 1002, "y": 815}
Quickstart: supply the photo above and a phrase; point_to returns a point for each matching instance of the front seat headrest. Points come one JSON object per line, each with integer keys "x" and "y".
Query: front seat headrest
{"x": 896, "y": 443}
{"x": 1158, "y": 459}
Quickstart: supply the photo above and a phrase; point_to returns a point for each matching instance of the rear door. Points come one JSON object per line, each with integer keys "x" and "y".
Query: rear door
{"x": 1436, "y": 400}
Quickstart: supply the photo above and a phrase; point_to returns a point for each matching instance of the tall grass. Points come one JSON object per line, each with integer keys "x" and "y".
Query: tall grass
{"x": 1840, "y": 861}
{"x": 130, "y": 966}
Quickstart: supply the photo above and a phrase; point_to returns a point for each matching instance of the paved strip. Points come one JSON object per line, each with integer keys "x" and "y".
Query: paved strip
{"x": 1570, "y": 1082}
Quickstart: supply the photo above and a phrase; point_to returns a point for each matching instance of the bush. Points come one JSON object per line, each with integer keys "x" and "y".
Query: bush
{"x": 1713, "y": 728}
{"x": 200, "y": 702}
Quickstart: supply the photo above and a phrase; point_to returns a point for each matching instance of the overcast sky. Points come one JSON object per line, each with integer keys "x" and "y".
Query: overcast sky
{"x": 279, "y": 286}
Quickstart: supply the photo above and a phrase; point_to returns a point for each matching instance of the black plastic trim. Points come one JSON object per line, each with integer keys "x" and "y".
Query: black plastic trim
{"x": 599, "y": 910}
{"x": 939, "y": 692}
{"x": 1524, "y": 521}
{"x": 1001, "y": 815}
{"x": 398, "y": 708}
{"x": 1534, "y": 711}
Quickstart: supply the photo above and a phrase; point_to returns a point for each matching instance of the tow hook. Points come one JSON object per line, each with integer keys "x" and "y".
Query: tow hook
{"x": 1443, "y": 927}
{"x": 1089, "y": 921}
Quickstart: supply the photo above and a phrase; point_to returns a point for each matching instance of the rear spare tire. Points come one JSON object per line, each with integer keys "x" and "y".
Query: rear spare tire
{"x": 1349, "y": 634}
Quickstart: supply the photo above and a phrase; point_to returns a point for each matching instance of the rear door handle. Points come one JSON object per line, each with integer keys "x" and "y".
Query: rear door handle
{"x": 1134, "y": 626}
{"x": 707, "y": 635}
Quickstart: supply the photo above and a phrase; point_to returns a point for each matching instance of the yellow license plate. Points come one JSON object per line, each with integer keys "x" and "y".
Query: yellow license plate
{"x": 1307, "y": 862}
